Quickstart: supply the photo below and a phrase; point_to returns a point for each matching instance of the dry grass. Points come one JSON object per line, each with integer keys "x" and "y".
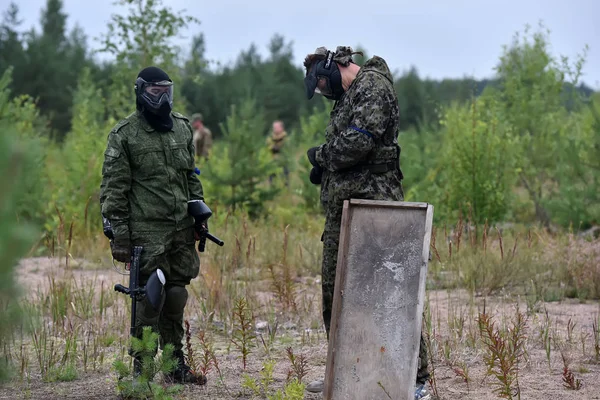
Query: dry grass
{"x": 76, "y": 325}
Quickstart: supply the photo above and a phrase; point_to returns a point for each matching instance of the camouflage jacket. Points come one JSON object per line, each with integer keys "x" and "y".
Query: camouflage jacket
{"x": 148, "y": 176}
{"x": 203, "y": 142}
{"x": 276, "y": 141}
{"x": 363, "y": 129}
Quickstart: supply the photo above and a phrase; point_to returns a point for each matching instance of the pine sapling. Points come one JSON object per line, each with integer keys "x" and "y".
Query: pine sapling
{"x": 141, "y": 386}
{"x": 282, "y": 288}
{"x": 260, "y": 387}
{"x": 283, "y": 285}
{"x": 568, "y": 378}
{"x": 243, "y": 333}
{"x": 191, "y": 359}
{"x": 266, "y": 375}
{"x": 207, "y": 359}
{"x": 462, "y": 371}
{"x": 299, "y": 368}
{"x": 293, "y": 390}
{"x": 504, "y": 350}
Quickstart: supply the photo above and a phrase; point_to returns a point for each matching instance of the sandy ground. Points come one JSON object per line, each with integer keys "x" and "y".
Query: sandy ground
{"x": 537, "y": 379}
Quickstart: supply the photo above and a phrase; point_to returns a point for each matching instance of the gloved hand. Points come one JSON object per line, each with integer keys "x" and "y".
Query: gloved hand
{"x": 200, "y": 228}
{"x": 316, "y": 173}
{"x": 121, "y": 249}
{"x": 312, "y": 156}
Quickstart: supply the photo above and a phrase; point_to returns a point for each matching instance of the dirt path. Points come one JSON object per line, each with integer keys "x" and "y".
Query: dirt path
{"x": 539, "y": 378}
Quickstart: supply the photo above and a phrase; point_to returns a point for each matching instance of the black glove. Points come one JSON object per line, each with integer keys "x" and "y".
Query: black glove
{"x": 121, "y": 249}
{"x": 316, "y": 173}
{"x": 201, "y": 228}
{"x": 312, "y": 156}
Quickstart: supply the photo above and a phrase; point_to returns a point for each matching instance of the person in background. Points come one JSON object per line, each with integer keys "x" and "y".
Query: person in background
{"x": 276, "y": 142}
{"x": 202, "y": 137}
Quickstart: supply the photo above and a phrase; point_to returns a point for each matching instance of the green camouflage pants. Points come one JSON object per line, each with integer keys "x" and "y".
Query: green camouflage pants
{"x": 175, "y": 254}
{"x": 331, "y": 241}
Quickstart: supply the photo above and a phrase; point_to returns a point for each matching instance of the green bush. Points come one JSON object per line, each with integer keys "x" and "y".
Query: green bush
{"x": 75, "y": 169}
{"x": 15, "y": 236}
{"x": 479, "y": 161}
{"x": 576, "y": 199}
{"x": 237, "y": 174}
{"x": 20, "y": 120}
{"x": 532, "y": 83}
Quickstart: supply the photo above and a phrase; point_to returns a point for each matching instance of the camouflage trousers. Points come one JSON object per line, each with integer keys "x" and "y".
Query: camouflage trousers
{"x": 331, "y": 241}
{"x": 175, "y": 254}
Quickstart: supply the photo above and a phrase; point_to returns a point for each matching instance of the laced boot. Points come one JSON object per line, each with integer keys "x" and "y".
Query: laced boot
{"x": 183, "y": 373}
{"x": 137, "y": 366}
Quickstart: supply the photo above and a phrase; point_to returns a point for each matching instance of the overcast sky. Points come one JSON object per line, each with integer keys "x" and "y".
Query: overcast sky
{"x": 442, "y": 38}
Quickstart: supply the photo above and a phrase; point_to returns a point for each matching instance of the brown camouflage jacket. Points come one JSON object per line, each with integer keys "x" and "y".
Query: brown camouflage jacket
{"x": 203, "y": 142}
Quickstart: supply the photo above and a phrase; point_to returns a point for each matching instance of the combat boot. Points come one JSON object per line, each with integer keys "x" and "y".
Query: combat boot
{"x": 137, "y": 367}
{"x": 183, "y": 373}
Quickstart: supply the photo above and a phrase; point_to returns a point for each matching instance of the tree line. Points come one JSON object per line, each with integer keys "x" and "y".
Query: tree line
{"x": 522, "y": 147}
{"x": 48, "y": 63}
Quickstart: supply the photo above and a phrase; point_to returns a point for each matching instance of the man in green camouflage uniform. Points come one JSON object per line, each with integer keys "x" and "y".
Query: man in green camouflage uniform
{"x": 360, "y": 158}
{"x": 147, "y": 180}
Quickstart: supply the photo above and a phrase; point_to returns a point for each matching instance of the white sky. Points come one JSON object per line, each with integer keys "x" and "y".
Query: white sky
{"x": 442, "y": 38}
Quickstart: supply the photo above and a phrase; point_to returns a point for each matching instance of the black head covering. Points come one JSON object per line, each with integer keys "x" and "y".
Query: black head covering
{"x": 158, "y": 119}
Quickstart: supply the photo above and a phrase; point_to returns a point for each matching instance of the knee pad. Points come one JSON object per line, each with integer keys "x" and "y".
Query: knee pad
{"x": 175, "y": 302}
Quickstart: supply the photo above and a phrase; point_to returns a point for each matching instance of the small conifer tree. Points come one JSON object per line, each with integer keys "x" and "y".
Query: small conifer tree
{"x": 143, "y": 386}
{"x": 240, "y": 166}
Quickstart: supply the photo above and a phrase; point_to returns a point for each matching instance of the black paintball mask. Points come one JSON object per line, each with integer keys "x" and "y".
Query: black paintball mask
{"x": 324, "y": 77}
{"x": 154, "y": 97}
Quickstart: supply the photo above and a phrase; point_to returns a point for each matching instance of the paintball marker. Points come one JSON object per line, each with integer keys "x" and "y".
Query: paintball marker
{"x": 201, "y": 213}
{"x": 153, "y": 292}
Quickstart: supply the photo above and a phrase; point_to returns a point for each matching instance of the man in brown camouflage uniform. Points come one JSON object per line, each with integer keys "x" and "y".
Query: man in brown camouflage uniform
{"x": 276, "y": 142}
{"x": 202, "y": 136}
{"x": 147, "y": 181}
{"x": 360, "y": 158}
